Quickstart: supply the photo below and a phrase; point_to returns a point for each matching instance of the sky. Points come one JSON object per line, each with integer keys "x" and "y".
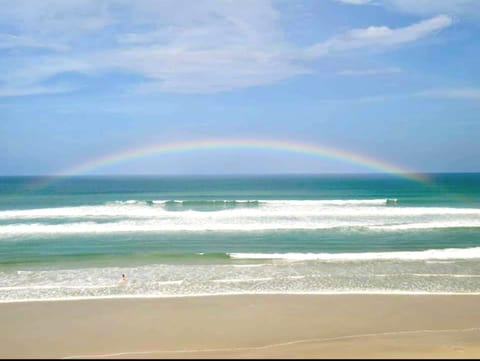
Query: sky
{"x": 397, "y": 81}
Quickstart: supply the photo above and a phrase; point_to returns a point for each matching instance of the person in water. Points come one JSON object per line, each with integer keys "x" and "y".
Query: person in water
{"x": 124, "y": 278}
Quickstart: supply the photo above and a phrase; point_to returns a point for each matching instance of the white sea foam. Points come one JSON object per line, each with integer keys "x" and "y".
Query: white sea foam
{"x": 112, "y": 210}
{"x": 240, "y": 280}
{"x": 57, "y": 287}
{"x": 171, "y": 282}
{"x": 440, "y": 275}
{"x": 225, "y": 225}
{"x": 329, "y": 202}
{"x": 429, "y": 225}
{"x": 130, "y": 226}
{"x": 247, "y": 265}
{"x": 144, "y": 208}
{"x": 143, "y": 216}
{"x": 437, "y": 254}
{"x": 340, "y": 274}
{"x": 448, "y": 275}
{"x": 237, "y": 293}
{"x": 274, "y": 208}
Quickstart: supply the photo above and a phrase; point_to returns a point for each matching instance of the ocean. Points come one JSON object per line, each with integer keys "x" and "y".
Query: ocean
{"x": 174, "y": 236}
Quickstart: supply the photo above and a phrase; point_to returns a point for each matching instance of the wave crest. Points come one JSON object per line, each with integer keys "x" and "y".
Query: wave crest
{"x": 431, "y": 254}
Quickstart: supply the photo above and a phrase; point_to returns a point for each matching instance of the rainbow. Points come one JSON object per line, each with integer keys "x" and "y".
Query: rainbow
{"x": 239, "y": 143}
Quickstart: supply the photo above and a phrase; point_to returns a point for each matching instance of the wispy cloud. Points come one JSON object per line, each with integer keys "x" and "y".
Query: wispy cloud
{"x": 453, "y": 93}
{"x": 459, "y": 94}
{"x": 379, "y": 36}
{"x": 33, "y": 90}
{"x": 355, "y": 2}
{"x": 56, "y": 19}
{"x": 462, "y": 8}
{"x": 29, "y": 77}
{"x": 9, "y": 41}
{"x": 175, "y": 46}
{"x": 187, "y": 70}
{"x": 374, "y": 71}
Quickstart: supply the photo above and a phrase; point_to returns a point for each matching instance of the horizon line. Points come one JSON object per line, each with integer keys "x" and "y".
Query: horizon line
{"x": 235, "y": 174}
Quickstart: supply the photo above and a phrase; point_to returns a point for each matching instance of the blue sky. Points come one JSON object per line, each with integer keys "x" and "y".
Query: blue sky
{"x": 395, "y": 80}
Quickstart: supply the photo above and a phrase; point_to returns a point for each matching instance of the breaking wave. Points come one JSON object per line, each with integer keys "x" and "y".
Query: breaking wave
{"x": 234, "y": 215}
{"x": 431, "y": 254}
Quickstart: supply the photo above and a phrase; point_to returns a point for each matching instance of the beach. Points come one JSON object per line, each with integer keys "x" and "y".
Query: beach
{"x": 245, "y": 326}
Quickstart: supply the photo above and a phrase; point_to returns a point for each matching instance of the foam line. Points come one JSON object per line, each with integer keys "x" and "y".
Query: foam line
{"x": 273, "y": 345}
{"x": 442, "y": 254}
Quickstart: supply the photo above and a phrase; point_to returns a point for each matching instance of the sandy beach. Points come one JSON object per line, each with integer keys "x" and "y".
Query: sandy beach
{"x": 247, "y": 326}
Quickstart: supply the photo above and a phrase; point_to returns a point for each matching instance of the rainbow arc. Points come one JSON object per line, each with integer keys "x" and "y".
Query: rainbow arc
{"x": 243, "y": 143}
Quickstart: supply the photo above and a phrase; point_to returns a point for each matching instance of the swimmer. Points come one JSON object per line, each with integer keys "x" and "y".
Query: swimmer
{"x": 124, "y": 278}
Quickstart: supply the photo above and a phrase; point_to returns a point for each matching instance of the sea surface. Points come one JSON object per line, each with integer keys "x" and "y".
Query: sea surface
{"x": 70, "y": 238}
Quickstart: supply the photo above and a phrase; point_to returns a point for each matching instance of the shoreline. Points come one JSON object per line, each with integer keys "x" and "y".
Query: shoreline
{"x": 327, "y": 293}
{"x": 245, "y": 326}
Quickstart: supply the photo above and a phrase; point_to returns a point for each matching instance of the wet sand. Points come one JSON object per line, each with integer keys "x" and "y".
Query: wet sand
{"x": 247, "y": 326}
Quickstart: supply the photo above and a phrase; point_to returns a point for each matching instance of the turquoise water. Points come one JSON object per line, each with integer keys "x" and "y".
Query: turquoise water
{"x": 178, "y": 236}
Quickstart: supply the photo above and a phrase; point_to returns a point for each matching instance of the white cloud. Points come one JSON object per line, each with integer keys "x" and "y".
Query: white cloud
{"x": 14, "y": 41}
{"x": 452, "y": 93}
{"x": 373, "y": 71}
{"x": 174, "y": 45}
{"x": 28, "y": 77}
{"x": 187, "y": 70}
{"x": 355, "y": 2}
{"x": 191, "y": 62}
{"x": 33, "y": 90}
{"x": 55, "y": 18}
{"x": 462, "y": 8}
{"x": 179, "y": 46}
{"x": 379, "y": 36}
{"x": 440, "y": 93}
